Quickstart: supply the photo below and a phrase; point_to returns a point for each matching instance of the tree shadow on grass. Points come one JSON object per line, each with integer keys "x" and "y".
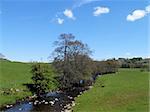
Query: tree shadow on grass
{"x": 31, "y": 87}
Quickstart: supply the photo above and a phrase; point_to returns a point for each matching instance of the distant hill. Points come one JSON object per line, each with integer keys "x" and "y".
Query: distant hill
{"x": 2, "y": 56}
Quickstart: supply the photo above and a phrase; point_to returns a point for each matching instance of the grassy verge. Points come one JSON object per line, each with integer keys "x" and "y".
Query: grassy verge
{"x": 125, "y": 91}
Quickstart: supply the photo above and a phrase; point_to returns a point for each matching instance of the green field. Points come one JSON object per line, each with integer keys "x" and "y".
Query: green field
{"x": 12, "y": 77}
{"x": 125, "y": 91}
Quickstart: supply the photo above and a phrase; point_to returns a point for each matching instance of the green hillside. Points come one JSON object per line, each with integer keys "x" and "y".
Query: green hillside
{"x": 125, "y": 91}
{"x": 12, "y": 77}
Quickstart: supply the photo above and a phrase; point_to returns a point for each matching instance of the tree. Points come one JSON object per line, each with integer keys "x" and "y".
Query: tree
{"x": 107, "y": 66}
{"x": 72, "y": 61}
{"x": 43, "y": 78}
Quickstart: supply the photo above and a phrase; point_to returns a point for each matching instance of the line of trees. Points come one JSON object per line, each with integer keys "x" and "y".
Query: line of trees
{"x": 72, "y": 64}
{"x": 137, "y": 62}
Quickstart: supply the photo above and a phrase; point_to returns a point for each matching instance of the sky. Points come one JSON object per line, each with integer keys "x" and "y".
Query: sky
{"x": 111, "y": 28}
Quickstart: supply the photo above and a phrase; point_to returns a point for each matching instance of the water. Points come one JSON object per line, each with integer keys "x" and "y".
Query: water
{"x": 53, "y": 102}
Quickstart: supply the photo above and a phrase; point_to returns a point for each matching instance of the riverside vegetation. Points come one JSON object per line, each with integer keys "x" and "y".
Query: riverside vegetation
{"x": 12, "y": 77}
{"x": 71, "y": 68}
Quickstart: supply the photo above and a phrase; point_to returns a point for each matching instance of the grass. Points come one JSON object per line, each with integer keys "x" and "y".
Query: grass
{"x": 125, "y": 91}
{"x": 13, "y": 75}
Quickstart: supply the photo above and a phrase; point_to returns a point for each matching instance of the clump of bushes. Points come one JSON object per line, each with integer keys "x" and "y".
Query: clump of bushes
{"x": 43, "y": 78}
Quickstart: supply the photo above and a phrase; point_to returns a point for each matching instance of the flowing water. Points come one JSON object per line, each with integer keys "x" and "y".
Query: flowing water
{"x": 51, "y": 102}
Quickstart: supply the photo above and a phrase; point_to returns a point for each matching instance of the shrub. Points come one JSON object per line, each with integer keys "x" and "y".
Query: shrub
{"x": 43, "y": 78}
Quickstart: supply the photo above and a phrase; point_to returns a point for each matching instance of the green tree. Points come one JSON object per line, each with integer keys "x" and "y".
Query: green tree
{"x": 43, "y": 78}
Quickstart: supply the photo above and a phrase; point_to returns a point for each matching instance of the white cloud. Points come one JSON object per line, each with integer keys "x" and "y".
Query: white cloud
{"x": 60, "y": 21}
{"x": 68, "y": 13}
{"x": 59, "y": 16}
{"x": 147, "y": 9}
{"x": 100, "y": 10}
{"x": 138, "y": 14}
{"x": 79, "y": 3}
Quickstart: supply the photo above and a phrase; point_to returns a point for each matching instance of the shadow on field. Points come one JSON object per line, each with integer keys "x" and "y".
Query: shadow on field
{"x": 31, "y": 87}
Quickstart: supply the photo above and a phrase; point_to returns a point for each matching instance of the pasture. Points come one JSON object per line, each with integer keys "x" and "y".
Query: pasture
{"x": 125, "y": 91}
{"x": 12, "y": 77}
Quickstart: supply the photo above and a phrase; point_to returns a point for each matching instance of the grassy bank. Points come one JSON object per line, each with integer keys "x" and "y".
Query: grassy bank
{"x": 12, "y": 77}
{"x": 125, "y": 91}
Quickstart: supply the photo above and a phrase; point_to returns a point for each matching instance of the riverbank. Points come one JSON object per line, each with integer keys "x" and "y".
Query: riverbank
{"x": 13, "y": 78}
{"x": 57, "y": 101}
{"x": 124, "y": 91}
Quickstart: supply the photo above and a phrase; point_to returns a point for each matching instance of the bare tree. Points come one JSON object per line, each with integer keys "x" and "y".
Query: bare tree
{"x": 71, "y": 60}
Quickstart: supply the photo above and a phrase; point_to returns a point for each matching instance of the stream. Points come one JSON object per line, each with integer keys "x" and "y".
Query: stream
{"x": 51, "y": 102}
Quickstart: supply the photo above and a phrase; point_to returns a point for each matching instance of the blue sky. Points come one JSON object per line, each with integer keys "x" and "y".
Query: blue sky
{"x": 111, "y": 28}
